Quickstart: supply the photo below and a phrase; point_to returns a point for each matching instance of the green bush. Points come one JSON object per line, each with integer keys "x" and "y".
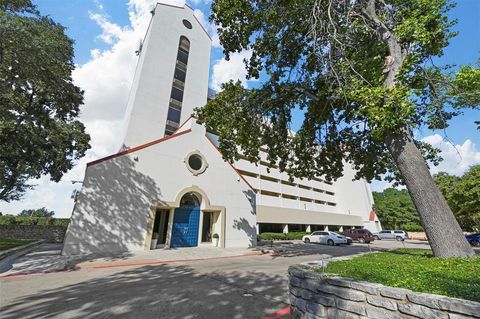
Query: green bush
{"x": 282, "y": 236}
{"x": 273, "y": 236}
{"x": 296, "y": 235}
{"x": 413, "y": 228}
{"x": 27, "y": 220}
{"x": 416, "y": 270}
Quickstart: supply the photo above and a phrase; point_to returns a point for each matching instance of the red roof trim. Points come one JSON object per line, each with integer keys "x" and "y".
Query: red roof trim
{"x": 137, "y": 148}
{"x": 236, "y": 171}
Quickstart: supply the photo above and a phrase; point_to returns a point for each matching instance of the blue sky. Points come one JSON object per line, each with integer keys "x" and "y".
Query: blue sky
{"x": 106, "y": 33}
{"x": 74, "y": 14}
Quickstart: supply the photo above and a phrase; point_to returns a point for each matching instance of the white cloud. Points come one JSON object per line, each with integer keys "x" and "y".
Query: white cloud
{"x": 456, "y": 158}
{"x": 210, "y": 27}
{"x": 234, "y": 69}
{"x": 106, "y": 79}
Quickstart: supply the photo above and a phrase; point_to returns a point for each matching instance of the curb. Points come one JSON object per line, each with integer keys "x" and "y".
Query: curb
{"x": 20, "y": 249}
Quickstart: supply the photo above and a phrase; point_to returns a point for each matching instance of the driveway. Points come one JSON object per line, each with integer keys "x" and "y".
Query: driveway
{"x": 227, "y": 287}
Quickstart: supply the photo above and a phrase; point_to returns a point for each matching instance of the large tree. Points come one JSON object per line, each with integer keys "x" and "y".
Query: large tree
{"x": 362, "y": 73}
{"x": 39, "y": 104}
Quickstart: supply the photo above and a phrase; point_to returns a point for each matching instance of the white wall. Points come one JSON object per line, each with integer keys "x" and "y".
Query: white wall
{"x": 149, "y": 98}
{"x": 111, "y": 212}
{"x": 355, "y": 197}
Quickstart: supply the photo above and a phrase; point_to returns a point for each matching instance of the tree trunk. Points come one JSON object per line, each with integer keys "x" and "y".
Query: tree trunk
{"x": 443, "y": 231}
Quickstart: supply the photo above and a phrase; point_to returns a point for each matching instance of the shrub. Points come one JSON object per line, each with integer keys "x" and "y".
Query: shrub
{"x": 296, "y": 235}
{"x": 273, "y": 236}
{"x": 155, "y": 236}
{"x": 413, "y": 228}
{"x": 215, "y": 235}
{"x": 282, "y": 236}
{"x": 27, "y": 220}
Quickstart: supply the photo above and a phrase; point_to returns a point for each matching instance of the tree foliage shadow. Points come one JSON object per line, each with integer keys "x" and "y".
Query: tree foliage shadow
{"x": 297, "y": 249}
{"x": 156, "y": 292}
{"x": 112, "y": 210}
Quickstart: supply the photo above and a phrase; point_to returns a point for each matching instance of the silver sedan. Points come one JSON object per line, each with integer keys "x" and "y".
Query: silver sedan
{"x": 325, "y": 237}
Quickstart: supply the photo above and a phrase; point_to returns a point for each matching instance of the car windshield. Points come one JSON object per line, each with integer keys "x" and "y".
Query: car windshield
{"x": 334, "y": 233}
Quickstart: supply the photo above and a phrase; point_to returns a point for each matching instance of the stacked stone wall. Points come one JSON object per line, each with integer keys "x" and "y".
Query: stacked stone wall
{"x": 316, "y": 295}
{"x": 50, "y": 233}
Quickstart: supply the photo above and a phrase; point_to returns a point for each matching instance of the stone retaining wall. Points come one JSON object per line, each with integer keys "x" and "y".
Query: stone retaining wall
{"x": 316, "y": 295}
{"x": 50, "y": 233}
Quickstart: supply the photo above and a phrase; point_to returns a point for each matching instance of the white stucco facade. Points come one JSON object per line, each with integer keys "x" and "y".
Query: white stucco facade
{"x": 119, "y": 194}
{"x": 153, "y": 186}
{"x": 149, "y": 97}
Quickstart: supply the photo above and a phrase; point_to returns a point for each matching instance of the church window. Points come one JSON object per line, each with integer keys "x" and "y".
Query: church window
{"x": 178, "y": 86}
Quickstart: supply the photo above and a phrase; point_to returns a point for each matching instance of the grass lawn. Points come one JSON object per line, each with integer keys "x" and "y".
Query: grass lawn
{"x": 10, "y": 243}
{"x": 416, "y": 270}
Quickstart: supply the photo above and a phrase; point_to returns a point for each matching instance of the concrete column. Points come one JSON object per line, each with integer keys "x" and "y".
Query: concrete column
{"x": 340, "y": 229}
{"x": 285, "y": 228}
{"x": 326, "y": 228}
{"x": 258, "y": 229}
{"x": 309, "y": 229}
{"x": 169, "y": 228}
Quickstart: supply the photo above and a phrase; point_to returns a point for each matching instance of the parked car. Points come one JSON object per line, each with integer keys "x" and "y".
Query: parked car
{"x": 349, "y": 240}
{"x": 399, "y": 235}
{"x": 474, "y": 239}
{"x": 360, "y": 235}
{"x": 325, "y": 237}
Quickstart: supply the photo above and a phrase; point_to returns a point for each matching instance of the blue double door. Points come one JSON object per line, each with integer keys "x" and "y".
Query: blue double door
{"x": 185, "y": 226}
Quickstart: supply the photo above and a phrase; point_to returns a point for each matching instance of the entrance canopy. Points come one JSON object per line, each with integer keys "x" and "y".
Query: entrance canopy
{"x": 279, "y": 215}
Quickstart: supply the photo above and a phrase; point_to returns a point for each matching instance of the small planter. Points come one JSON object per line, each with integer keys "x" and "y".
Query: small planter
{"x": 153, "y": 244}
{"x": 215, "y": 238}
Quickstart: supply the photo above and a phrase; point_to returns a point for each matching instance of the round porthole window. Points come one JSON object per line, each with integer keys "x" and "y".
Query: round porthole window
{"x": 196, "y": 163}
{"x": 187, "y": 24}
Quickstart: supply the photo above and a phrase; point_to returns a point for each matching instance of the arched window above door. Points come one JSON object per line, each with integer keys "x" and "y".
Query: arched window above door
{"x": 190, "y": 199}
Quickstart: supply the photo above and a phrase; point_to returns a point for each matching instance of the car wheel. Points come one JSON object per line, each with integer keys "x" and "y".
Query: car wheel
{"x": 361, "y": 240}
{"x": 330, "y": 242}
{"x": 376, "y": 237}
{"x": 399, "y": 238}
{"x": 307, "y": 241}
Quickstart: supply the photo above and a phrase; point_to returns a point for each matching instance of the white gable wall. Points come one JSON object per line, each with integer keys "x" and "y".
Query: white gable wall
{"x": 111, "y": 213}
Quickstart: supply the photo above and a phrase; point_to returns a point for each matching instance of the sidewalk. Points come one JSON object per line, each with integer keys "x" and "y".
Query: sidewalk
{"x": 43, "y": 258}
{"x": 47, "y": 258}
{"x": 159, "y": 256}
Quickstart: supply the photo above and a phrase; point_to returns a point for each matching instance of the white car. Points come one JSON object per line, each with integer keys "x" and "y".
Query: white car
{"x": 325, "y": 237}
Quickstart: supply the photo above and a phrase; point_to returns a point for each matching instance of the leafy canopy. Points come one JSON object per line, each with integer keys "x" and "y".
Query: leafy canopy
{"x": 463, "y": 196}
{"x": 331, "y": 59}
{"x": 39, "y": 104}
{"x": 395, "y": 209}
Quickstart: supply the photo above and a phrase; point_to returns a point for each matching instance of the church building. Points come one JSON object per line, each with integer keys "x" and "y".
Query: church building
{"x": 170, "y": 181}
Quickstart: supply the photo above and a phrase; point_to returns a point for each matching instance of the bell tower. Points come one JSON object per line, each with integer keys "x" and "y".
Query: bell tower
{"x": 171, "y": 77}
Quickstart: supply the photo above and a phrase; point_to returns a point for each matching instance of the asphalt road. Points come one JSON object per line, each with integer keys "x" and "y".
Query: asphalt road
{"x": 241, "y": 287}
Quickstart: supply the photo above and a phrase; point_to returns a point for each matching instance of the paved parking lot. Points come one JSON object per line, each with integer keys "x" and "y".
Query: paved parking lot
{"x": 228, "y": 287}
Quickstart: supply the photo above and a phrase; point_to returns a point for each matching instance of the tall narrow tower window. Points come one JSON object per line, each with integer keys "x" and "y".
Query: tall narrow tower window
{"x": 178, "y": 86}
